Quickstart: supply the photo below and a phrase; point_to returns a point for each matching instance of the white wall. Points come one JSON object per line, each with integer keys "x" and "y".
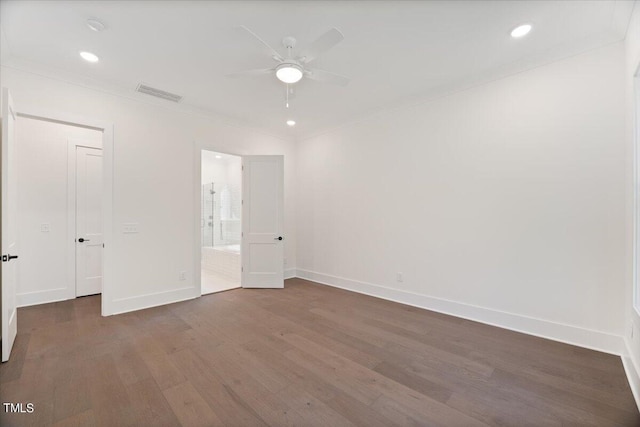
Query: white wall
{"x": 153, "y": 182}
{"x": 632, "y": 324}
{"x": 42, "y": 199}
{"x": 503, "y": 203}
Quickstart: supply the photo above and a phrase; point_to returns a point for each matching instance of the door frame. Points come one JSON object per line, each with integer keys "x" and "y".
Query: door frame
{"x": 72, "y": 144}
{"x": 107, "y": 190}
{"x": 197, "y": 188}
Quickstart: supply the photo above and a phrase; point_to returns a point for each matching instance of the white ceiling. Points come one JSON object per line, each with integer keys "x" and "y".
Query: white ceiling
{"x": 395, "y": 52}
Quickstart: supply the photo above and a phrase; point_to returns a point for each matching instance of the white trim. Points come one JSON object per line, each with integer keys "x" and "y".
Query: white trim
{"x": 197, "y": 240}
{"x": 632, "y": 371}
{"x": 71, "y": 219}
{"x": 574, "y": 335}
{"x": 636, "y": 190}
{"x": 107, "y": 219}
{"x": 443, "y": 92}
{"x": 64, "y": 118}
{"x": 289, "y": 273}
{"x": 107, "y": 195}
{"x": 126, "y": 93}
{"x": 42, "y": 297}
{"x": 76, "y": 142}
{"x": 140, "y": 302}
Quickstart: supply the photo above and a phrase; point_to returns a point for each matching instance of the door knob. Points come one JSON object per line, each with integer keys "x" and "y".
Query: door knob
{"x": 82, "y": 240}
{"x": 278, "y": 238}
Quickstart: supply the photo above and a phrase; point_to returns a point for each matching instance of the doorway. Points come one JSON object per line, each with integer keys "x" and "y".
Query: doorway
{"x": 220, "y": 221}
{"x": 58, "y": 178}
{"x": 45, "y": 151}
{"x": 257, "y": 213}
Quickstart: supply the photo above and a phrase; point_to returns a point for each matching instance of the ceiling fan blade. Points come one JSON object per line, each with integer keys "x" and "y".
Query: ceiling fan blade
{"x": 249, "y": 73}
{"x": 265, "y": 46}
{"x": 327, "y": 77}
{"x": 321, "y": 44}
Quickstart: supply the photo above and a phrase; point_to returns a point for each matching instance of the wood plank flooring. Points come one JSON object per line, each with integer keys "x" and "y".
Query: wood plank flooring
{"x": 307, "y": 355}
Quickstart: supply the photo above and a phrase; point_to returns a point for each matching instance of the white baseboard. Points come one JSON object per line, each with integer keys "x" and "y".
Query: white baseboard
{"x": 592, "y": 339}
{"x": 289, "y": 273}
{"x": 632, "y": 371}
{"x": 140, "y": 302}
{"x": 42, "y": 297}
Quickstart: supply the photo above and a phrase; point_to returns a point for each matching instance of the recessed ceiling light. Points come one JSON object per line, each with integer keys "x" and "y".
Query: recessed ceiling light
{"x": 289, "y": 73}
{"x": 291, "y": 122}
{"x": 95, "y": 25}
{"x": 88, "y": 56}
{"x": 218, "y": 157}
{"x": 521, "y": 30}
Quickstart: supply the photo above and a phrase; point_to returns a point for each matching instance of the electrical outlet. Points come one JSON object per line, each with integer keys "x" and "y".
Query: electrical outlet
{"x": 45, "y": 228}
{"x": 399, "y": 277}
{"x": 182, "y": 275}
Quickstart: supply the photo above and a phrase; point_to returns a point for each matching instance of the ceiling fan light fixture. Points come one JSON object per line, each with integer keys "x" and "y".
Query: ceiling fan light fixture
{"x": 289, "y": 73}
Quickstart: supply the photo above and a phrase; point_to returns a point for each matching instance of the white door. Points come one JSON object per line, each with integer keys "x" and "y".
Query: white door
{"x": 9, "y": 227}
{"x": 262, "y": 222}
{"x": 88, "y": 221}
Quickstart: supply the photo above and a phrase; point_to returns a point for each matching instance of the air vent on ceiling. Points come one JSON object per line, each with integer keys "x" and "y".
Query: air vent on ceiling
{"x": 158, "y": 93}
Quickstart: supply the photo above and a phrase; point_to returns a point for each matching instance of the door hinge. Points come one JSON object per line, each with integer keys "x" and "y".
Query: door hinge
{"x": 242, "y": 269}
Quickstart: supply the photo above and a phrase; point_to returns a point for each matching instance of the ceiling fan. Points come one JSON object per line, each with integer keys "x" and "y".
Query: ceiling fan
{"x": 291, "y": 69}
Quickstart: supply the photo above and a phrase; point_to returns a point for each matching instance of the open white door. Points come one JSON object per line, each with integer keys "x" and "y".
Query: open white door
{"x": 262, "y": 222}
{"x": 88, "y": 221}
{"x": 9, "y": 227}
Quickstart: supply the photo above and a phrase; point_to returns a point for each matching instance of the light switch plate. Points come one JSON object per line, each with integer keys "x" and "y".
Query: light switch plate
{"x": 130, "y": 227}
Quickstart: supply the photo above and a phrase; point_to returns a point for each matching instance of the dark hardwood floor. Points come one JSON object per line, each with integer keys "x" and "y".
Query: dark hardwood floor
{"x": 308, "y": 355}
